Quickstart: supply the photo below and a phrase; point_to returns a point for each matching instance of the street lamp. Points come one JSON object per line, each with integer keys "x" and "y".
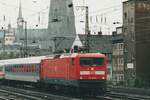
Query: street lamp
{"x": 4, "y": 31}
{"x": 25, "y": 40}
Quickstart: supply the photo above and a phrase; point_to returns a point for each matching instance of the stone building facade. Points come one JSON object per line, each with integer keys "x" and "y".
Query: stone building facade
{"x": 118, "y": 57}
{"x": 136, "y": 25}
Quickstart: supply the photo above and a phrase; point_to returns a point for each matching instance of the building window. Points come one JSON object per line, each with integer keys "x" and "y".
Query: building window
{"x": 131, "y": 19}
{"x": 121, "y": 61}
{"x": 125, "y": 15}
{"x": 121, "y": 46}
{"x": 139, "y": 5}
{"x": 121, "y": 77}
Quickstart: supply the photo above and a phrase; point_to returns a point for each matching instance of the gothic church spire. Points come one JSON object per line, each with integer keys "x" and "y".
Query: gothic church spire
{"x": 20, "y": 10}
{"x": 20, "y": 18}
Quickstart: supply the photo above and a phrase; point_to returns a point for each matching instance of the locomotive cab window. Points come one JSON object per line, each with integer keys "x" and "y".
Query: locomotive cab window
{"x": 91, "y": 62}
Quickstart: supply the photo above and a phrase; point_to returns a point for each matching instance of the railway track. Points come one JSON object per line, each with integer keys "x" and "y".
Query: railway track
{"x": 128, "y": 93}
{"x": 127, "y": 96}
{"x": 121, "y": 94}
{"x": 118, "y": 96}
{"x": 11, "y": 93}
{"x": 139, "y": 91}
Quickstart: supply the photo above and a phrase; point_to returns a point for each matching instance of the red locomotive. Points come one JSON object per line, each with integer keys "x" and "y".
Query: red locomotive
{"x": 74, "y": 72}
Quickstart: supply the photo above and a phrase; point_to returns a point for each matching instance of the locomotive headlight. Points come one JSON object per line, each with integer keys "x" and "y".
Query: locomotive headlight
{"x": 81, "y": 77}
{"x": 100, "y": 72}
{"x": 103, "y": 78}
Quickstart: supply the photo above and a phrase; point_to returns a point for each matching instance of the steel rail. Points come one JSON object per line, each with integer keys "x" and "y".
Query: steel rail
{"x": 32, "y": 95}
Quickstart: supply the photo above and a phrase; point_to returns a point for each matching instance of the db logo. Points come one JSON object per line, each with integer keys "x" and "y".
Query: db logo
{"x": 92, "y": 72}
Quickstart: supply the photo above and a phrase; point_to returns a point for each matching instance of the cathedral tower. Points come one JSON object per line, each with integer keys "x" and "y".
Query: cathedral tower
{"x": 20, "y": 18}
{"x": 20, "y": 25}
{"x": 61, "y": 26}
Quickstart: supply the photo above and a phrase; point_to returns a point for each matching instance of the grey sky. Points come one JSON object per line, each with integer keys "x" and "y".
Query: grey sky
{"x": 112, "y": 10}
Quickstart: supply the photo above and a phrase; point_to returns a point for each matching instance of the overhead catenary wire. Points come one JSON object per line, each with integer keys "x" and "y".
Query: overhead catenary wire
{"x": 99, "y": 12}
{"x": 105, "y": 9}
{"x": 36, "y": 12}
{"x": 14, "y": 6}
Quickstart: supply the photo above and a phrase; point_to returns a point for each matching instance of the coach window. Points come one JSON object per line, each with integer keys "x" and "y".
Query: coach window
{"x": 14, "y": 68}
{"x": 7, "y": 68}
{"x": 34, "y": 68}
{"x": 18, "y": 68}
{"x": 30, "y": 67}
{"x": 22, "y": 69}
{"x": 11, "y": 68}
{"x": 27, "y": 68}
